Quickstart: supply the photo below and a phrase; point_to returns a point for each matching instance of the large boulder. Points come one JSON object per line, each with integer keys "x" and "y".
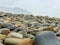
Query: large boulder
{"x": 46, "y": 38}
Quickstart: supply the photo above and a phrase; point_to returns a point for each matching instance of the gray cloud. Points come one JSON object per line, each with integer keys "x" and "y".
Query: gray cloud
{"x": 38, "y": 7}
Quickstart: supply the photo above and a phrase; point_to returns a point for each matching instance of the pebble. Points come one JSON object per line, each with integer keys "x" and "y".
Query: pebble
{"x": 58, "y": 33}
{"x": 5, "y": 31}
{"x": 9, "y": 26}
{"x": 1, "y": 44}
{"x": 14, "y": 35}
{"x": 30, "y": 36}
{"x": 2, "y": 37}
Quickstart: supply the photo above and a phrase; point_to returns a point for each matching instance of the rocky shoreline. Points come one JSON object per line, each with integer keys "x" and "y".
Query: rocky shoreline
{"x": 20, "y": 29}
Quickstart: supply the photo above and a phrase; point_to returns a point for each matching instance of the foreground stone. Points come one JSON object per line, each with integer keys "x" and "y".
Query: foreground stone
{"x": 46, "y": 38}
{"x": 14, "y": 41}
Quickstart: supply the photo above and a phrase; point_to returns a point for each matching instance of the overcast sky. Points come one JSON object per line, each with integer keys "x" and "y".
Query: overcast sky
{"x": 37, "y": 7}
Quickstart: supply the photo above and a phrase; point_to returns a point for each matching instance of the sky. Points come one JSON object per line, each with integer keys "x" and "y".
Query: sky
{"x": 37, "y": 7}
